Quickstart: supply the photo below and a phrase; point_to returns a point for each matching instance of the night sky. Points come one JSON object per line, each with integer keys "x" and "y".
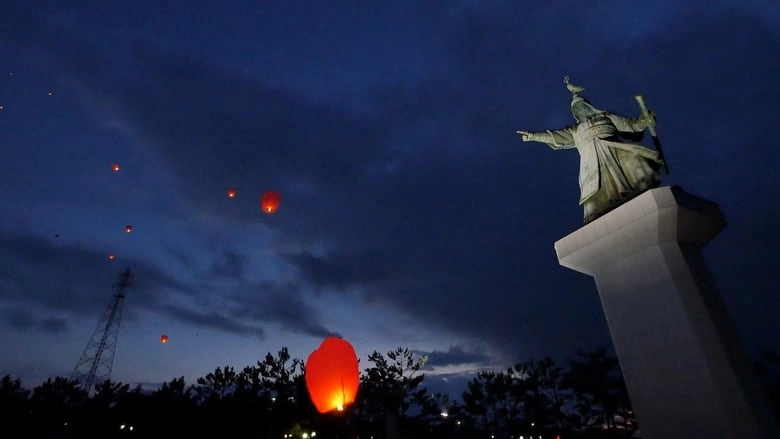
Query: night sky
{"x": 412, "y": 214}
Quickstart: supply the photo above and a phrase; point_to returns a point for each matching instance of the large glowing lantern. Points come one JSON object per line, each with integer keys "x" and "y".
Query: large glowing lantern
{"x": 332, "y": 375}
{"x": 163, "y": 339}
{"x": 270, "y": 201}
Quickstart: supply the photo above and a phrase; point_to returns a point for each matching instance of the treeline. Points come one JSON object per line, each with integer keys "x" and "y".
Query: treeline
{"x": 584, "y": 397}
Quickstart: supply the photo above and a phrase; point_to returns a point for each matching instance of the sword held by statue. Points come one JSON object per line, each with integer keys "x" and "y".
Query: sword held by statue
{"x": 656, "y": 141}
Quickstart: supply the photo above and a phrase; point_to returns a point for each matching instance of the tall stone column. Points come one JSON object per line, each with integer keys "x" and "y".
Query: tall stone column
{"x": 683, "y": 364}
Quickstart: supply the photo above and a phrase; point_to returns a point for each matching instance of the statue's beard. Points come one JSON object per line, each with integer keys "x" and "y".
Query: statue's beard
{"x": 583, "y": 111}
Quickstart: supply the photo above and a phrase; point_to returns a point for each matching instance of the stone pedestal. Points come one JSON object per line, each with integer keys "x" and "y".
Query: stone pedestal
{"x": 683, "y": 364}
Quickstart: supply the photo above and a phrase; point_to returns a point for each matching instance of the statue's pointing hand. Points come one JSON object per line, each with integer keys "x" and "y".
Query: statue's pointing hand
{"x": 526, "y": 135}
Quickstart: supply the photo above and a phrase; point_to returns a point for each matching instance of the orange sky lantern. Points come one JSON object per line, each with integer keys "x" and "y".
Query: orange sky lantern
{"x": 332, "y": 375}
{"x": 231, "y": 193}
{"x": 270, "y": 201}
{"x": 111, "y": 256}
{"x": 128, "y": 228}
{"x": 163, "y": 339}
{"x": 115, "y": 167}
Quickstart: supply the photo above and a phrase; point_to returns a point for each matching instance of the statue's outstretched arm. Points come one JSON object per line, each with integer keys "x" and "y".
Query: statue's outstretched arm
{"x": 556, "y": 139}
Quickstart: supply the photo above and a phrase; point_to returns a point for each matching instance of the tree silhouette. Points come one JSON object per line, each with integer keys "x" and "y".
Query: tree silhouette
{"x": 269, "y": 399}
{"x": 600, "y": 392}
{"x": 389, "y": 388}
{"x": 216, "y": 386}
{"x": 171, "y": 409}
{"x": 14, "y": 406}
{"x": 544, "y": 393}
{"x": 102, "y": 407}
{"x": 494, "y": 403}
{"x": 54, "y": 407}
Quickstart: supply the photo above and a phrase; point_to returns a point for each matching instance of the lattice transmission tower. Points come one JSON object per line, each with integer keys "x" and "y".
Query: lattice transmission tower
{"x": 96, "y": 361}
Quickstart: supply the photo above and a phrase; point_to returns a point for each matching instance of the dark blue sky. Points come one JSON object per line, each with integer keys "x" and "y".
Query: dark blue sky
{"x": 412, "y": 214}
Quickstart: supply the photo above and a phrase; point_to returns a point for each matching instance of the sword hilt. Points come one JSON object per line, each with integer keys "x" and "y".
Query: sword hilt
{"x": 645, "y": 112}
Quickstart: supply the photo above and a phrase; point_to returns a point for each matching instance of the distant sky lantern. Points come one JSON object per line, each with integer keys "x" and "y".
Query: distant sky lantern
{"x": 111, "y": 256}
{"x": 163, "y": 339}
{"x": 115, "y": 167}
{"x": 270, "y": 201}
{"x": 332, "y": 375}
{"x": 128, "y": 228}
{"x": 231, "y": 193}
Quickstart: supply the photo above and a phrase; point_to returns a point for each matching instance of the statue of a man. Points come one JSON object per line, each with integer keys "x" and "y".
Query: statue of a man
{"x": 612, "y": 171}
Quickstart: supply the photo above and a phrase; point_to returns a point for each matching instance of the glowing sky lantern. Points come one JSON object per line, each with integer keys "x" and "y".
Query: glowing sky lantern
{"x": 128, "y": 228}
{"x": 111, "y": 256}
{"x": 231, "y": 193}
{"x": 163, "y": 339}
{"x": 115, "y": 167}
{"x": 332, "y": 375}
{"x": 270, "y": 201}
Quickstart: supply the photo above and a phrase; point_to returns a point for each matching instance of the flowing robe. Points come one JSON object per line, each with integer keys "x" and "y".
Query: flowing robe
{"x": 611, "y": 171}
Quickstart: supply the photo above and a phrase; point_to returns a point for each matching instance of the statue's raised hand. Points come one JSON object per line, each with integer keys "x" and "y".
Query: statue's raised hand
{"x": 526, "y": 135}
{"x": 650, "y": 119}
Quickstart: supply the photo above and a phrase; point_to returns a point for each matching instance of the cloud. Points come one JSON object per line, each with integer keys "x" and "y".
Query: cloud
{"x": 422, "y": 196}
{"x": 280, "y": 303}
{"x": 343, "y": 269}
{"x": 23, "y": 319}
{"x": 78, "y": 278}
{"x": 213, "y": 319}
{"x": 455, "y": 356}
{"x": 230, "y": 264}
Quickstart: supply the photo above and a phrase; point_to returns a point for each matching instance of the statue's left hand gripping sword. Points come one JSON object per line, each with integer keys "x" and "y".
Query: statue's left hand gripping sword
{"x": 656, "y": 141}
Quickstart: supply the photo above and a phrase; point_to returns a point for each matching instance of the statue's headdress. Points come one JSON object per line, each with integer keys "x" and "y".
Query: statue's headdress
{"x": 575, "y": 90}
{"x": 584, "y": 109}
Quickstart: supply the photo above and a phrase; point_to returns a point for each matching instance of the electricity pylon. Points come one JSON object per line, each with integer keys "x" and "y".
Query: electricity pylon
{"x": 96, "y": 361}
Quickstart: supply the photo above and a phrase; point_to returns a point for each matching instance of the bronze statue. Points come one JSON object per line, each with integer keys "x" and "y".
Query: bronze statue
{"x": 612, "y": 171}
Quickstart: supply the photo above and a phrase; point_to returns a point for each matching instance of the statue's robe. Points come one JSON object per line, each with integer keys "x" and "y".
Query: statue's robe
{"x": 611, "y": 170}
